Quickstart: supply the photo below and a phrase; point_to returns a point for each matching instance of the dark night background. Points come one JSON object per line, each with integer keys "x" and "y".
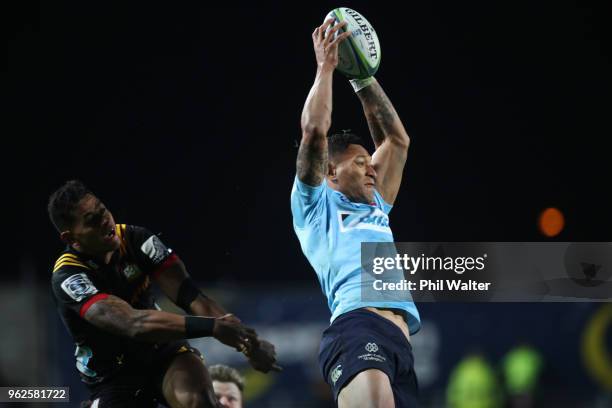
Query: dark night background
{"x": 184, "y": 116}
{"x": 184, "y": 119}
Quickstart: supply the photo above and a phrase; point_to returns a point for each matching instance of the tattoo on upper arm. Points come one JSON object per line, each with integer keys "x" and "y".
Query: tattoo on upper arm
{"x": 380, "y": 113}
{"x": 312, "y": 162}
{"x": 112, "y": 314}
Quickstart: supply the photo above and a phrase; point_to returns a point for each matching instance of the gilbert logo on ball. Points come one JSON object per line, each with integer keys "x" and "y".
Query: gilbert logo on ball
{"x": 358, "y": 55}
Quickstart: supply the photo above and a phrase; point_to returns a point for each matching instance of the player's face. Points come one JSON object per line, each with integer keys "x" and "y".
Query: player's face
{"x": 93, "y": 231}
{"x": 355, "y": 176}
{"x": 228, "y": 394}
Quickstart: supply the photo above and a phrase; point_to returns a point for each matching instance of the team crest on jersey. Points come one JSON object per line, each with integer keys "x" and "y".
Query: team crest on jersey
{"x": 78, "y": 287}
{"x": 373, "y": 219}
{"x": 155, "y": 249}
{"x": 131, "y": 271}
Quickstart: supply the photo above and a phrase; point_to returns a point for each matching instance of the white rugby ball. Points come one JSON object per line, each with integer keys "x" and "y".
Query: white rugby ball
{"x": 358, "y": 55}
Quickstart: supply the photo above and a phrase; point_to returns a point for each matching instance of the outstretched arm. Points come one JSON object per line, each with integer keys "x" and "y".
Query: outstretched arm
{"x": 183, "y": 291}
{"x": 389, "y": 136}
{"x": 316, "y": 115}
{"x": 114, "y": 315}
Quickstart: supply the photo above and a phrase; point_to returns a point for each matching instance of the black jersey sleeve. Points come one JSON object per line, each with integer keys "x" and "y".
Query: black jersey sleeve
{"x": 151, "y": 254}
{"x": 74, "y": 289}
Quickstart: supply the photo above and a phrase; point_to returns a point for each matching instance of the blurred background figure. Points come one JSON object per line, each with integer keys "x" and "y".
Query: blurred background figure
{"x": 228, "y": 385}
{"x": 521, "y": 370}
{"x": 473, "y": 384}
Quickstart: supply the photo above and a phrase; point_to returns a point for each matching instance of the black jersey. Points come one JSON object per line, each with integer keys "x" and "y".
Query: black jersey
{"x": 78, "y": 282}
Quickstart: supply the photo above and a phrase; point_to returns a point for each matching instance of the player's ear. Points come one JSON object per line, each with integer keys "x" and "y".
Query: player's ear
{"x": 66, "y": 237}
{"x": 331, "y": 172}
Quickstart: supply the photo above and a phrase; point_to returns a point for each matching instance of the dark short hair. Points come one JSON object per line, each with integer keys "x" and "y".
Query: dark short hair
{"x": 337, "y": 143}
{"x": 63, "y": 202}
{"x": 223, "y": 373}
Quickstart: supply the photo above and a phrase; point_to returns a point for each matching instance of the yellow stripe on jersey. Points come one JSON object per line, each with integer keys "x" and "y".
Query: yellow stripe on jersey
{"x": 120, "y": 230}
{"x": 70, "y": 263}
{"x": 67, "y": 257}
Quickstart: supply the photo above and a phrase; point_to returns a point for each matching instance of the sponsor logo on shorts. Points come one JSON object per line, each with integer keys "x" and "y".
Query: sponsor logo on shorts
{"x": 372, "y": 348}
{"x": 336, "y": 373}
{"x": 78, "y": 287}
{"x": 155, "y": 249}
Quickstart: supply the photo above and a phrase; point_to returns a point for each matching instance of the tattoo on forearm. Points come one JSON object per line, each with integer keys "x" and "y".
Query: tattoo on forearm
{"x": 380, "y": 114}
{"x": 312, "y": 162}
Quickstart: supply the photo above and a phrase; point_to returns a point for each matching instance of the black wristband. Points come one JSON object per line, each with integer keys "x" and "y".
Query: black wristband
{"x": 196, "y": 326}
{"x": 187, "y": 293}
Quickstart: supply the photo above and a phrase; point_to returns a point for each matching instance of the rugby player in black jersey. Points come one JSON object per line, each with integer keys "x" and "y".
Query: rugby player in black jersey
{"x": 130, "y": 353}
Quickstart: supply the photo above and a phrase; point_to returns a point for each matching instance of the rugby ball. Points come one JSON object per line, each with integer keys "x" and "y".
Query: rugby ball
{"x": 359, "y": 54}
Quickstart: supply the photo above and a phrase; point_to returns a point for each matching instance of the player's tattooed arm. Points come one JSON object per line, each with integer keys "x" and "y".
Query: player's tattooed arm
{"x": 390, "y": 138}
{"x": 116, "y": 316}
{"x": 316, "y": 121}
{"x": 383, "y": 121}
{"x": 312, "y": 161}
{"x": 316, "y": 115}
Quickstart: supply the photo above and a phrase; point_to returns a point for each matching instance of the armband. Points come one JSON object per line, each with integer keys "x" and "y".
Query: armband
{"x": 187, "y": 293}
{"x": 196, "y": 326}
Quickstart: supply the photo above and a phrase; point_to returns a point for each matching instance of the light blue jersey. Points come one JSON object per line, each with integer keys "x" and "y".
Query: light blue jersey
{"x": 331, "y": 229}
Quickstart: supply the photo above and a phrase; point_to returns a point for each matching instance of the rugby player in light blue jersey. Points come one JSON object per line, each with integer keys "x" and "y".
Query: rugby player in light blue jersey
{"x": 341, "y": 197}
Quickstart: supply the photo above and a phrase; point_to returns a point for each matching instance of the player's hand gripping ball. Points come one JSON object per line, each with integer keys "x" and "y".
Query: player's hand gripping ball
{"x": 359, "y": 54}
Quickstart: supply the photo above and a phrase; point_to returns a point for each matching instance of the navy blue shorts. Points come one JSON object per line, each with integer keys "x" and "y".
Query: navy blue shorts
{"x": 360, "y": 340}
